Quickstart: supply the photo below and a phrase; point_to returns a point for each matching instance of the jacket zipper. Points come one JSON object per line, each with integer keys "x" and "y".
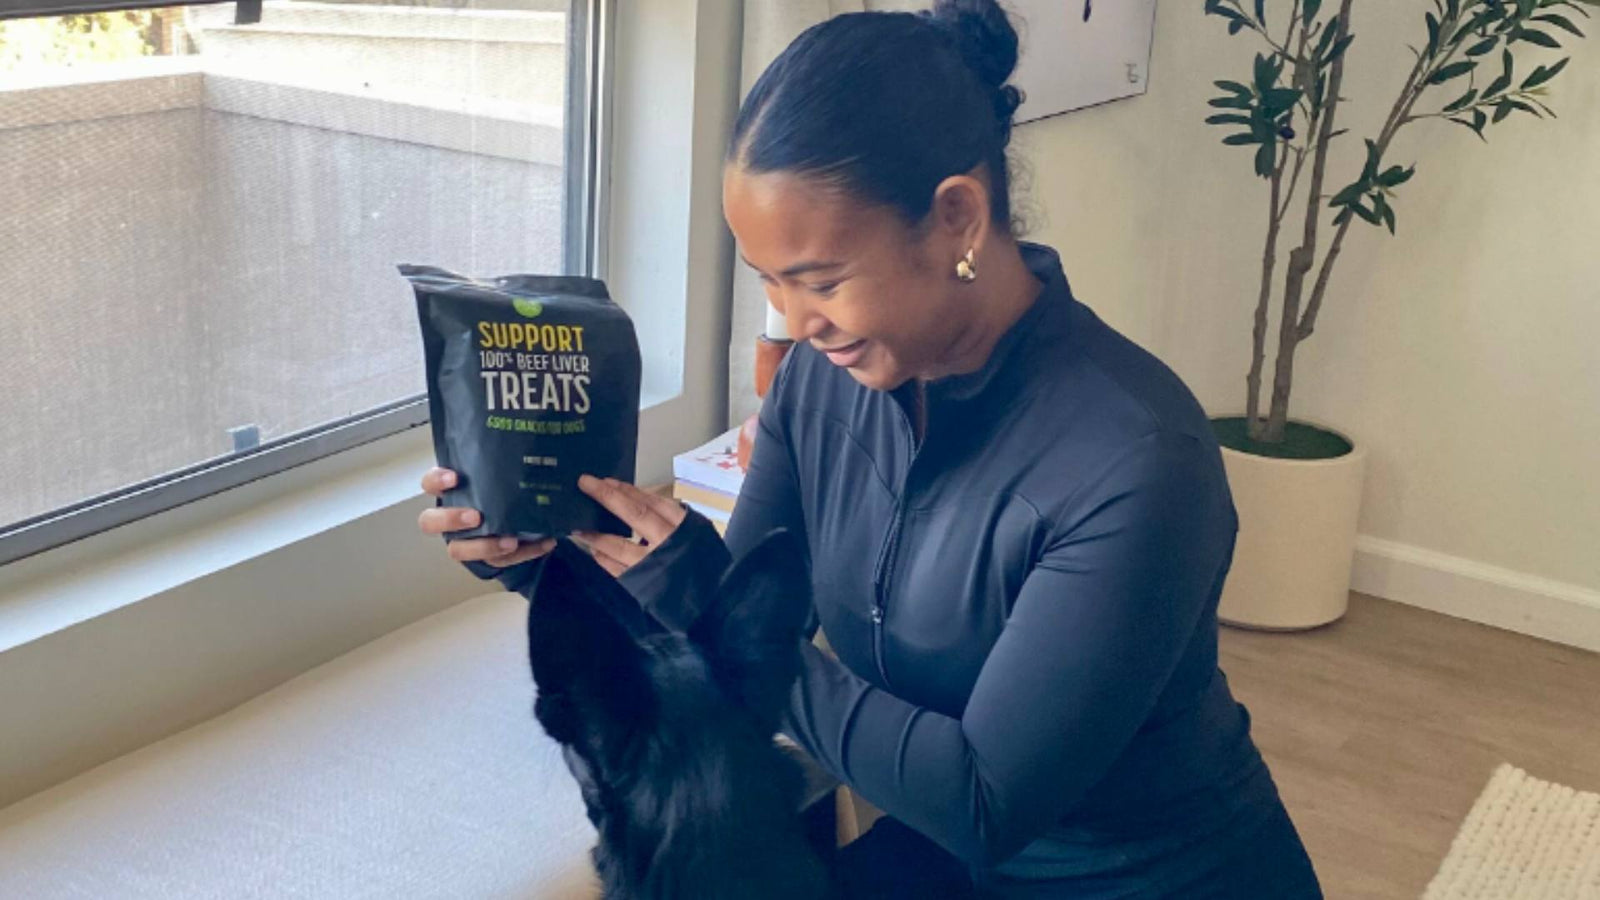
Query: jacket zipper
{"x": 880, "y": 586}
{"x": 890, "y": 548}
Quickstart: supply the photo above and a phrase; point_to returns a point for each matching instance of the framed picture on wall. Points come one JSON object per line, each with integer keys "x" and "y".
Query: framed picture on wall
{"x": 1078, "y": 53}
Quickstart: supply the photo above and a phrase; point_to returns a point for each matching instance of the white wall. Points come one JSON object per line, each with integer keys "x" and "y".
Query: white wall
{"x": 669, "y": 255}
{"x": 1462, "y": 351}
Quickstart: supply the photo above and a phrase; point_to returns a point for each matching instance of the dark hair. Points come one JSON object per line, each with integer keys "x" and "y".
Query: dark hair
{"x": 888, "y": 105}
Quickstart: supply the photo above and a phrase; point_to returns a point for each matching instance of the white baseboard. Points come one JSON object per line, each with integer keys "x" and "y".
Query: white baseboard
{"x": 1516, "y": 601}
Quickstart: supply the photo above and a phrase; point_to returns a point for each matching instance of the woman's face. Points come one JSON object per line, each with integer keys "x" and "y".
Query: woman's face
{"x": 875, "y": 296}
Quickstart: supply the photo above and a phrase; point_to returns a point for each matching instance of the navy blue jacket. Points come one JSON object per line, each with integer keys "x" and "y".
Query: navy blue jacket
{"x": 1023, "y": 606}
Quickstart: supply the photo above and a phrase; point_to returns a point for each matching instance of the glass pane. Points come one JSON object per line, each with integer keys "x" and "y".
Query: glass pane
{"x": 200, "y": 220}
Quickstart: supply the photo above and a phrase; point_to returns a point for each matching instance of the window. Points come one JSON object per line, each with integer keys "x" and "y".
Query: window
{"x": 201, "y": 210}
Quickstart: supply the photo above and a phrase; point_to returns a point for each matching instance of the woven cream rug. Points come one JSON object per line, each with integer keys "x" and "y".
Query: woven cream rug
{"x": 1524, "y": 839}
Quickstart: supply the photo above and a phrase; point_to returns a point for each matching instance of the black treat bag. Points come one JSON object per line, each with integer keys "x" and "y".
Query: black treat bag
{"x": 532, "y": 381}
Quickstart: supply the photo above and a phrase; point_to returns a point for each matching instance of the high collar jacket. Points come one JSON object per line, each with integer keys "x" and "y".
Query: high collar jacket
{"x": 1022, "y": 603}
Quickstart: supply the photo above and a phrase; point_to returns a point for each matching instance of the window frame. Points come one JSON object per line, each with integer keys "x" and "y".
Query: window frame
{"x": 584, "y": 228}
{"x": 28, "y": 9}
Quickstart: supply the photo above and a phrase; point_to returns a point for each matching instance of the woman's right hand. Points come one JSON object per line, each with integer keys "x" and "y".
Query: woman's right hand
{"x": 500, "y": 552}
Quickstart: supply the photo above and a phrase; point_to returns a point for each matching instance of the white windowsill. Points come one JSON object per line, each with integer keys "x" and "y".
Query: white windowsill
{"x": 102, "y": 573}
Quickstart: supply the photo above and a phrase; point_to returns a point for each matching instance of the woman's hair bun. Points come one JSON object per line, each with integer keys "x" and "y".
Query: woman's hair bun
{"x": 936, "y": 83}
{"x": 988, "y": 43}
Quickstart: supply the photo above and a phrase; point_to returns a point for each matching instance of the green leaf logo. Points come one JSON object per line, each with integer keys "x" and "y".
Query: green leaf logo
{"x": 529, "y": 308}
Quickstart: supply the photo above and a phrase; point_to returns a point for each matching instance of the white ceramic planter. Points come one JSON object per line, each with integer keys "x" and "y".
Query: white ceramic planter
{"x": 1297, "y": 536}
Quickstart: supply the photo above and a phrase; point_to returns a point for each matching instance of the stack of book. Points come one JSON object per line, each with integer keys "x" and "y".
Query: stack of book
{"x": 708, "y": 477}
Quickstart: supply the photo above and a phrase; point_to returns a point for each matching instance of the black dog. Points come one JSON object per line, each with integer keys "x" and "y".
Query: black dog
{"x": 670, "y": 736}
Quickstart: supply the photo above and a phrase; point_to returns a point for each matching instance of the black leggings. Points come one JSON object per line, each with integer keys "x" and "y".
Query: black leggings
{"x": 893, "y": 862}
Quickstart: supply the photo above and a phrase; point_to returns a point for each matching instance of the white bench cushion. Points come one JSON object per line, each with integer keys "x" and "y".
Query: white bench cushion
{"x": 411, "y": 767}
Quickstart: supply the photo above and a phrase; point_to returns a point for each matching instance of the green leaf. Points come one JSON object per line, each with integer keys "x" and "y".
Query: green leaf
{"x": 1542, "y": 108}
{"x": 1369, "y": 171}
{"x": 1329, "y": 31}
{"x": 1454, "y": 70}
{"x": 1231, "y": 102}
{"x": 529, "y": 308}
{"x": 1349, "y": 195}
{"x": 1385, "y": 211}
{"x": 1463, "y": 28}
{"x": 1501, "y": 110}
{"x": 1339, "y": 48}
{"x": 1364, "y": 213}
{"x": 1234, "y": 86}
{"x": 1542, "y": 74}
{"x": 1504, "y": 81}
{"x": 1240, "y": 139}
{"x": 1461, "y": 102}
{"x": 1266, "y": 73}
{"x": 1525, "y": 7}
{"x": 1308, "y": 13}
{"x": 1267, "y": 159}
{"x": 1229, "y": 119}
{"x": 1523, "y": 107}
{"x": 1561, "y": 22}
{"x": 1483, "y": 46}
{"x": 1261, "y": 12}
{"x": 1279, "y": 100}
{"x": 1236, "y": 26}
{"x": 1452, "y": 8}
{"x": 1478, "y": 24}
{"x": 1480, "y": 119}
{"x": 1217, "y": 9}
{"x": 1539, "y": 38}
{"x": 1433, "y": 34}
{"x": 1396, "y": 176}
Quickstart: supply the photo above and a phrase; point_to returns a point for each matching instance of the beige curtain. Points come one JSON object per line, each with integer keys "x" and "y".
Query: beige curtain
{"x": 769, "y": 26}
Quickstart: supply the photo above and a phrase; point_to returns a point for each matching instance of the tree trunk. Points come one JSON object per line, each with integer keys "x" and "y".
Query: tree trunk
{"x": 1303, "y": 257}
{"x": 1300, "y": 260}
{"x": 1258, "y": 355}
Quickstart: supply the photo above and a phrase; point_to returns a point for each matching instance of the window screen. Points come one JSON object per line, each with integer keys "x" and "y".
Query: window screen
{"x": 200, "y": 221}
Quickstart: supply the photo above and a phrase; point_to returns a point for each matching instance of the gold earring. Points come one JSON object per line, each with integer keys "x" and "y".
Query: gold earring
{"x": 967, "y": 268}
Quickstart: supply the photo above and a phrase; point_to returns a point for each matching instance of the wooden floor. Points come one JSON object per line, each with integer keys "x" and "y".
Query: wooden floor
{"x": 1383, "y": 728}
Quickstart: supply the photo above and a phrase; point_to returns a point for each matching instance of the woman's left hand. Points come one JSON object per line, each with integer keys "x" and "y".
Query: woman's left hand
{"x": 653, "y": 518}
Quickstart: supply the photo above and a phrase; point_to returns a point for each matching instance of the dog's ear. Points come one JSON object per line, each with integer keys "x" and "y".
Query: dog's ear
{"x": 751, "y": 632}
{"x": 589, "y": 668}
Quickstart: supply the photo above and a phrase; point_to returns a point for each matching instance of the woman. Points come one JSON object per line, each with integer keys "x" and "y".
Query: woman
{"x": 1018, "y": 520}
